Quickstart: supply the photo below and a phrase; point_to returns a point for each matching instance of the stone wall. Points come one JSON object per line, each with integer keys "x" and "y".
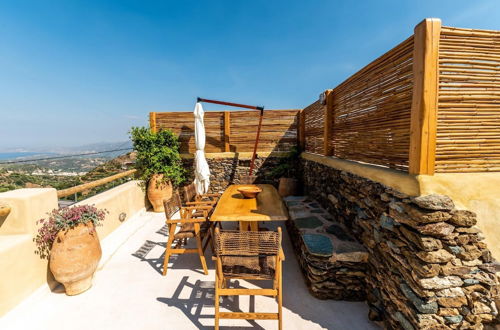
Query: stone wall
{"x": 230, "y": 170}
{"x": 428, "y": 267}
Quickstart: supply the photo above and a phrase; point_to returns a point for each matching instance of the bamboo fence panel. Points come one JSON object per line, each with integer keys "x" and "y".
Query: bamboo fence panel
{"x": 314, "y": 120}
{"x": 279, "y": 130}
{"x": 468, "y": 124}
{"x": 372, "y": 111}
{"x": 182, "y": 124}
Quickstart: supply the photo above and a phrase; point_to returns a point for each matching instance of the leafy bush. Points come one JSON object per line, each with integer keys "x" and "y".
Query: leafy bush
{"x": 157, "y": 153}
{"x": 63, "y": 219}
{"x": 286, "y": 164}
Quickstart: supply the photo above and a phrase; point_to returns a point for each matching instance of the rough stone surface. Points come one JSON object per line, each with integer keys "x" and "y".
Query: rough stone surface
{"x": 427, "y": 265}
{"x": 227, "y": 171}
{"x": 434, "y": 202}
{"x": 332, "y": 261}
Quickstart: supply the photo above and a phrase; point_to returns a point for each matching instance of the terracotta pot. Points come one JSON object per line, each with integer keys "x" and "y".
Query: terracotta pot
{"x": 74, "y": 257}
{"x": 158, "y": 192}
{"x": 288, "y": 187}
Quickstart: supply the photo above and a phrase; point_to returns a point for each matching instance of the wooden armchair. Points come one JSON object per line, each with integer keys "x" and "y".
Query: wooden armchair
{"x": 193, "y": 223}
{"x": 192, "y": 197}
{"x": 248, "y": 255}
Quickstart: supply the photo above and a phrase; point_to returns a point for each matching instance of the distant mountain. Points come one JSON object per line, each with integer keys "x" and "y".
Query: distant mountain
{"x": 86, "y": 148}
{"x": 93, "y": 147}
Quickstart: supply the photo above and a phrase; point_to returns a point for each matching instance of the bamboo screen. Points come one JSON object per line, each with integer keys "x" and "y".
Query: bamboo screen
{"x": 468, "y": 127}
{"x": 314, "y": 125}
{"x": 279, "y": 130}
{"x": 182, "y": 124}
{"x": 371, "y": 110}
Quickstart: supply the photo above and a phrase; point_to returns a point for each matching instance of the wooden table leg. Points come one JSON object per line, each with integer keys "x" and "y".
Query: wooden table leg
{"x": 249, "y": 225}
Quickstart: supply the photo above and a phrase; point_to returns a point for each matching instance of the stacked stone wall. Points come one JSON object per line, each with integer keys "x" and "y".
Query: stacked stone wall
{"x": 226, "y": 171}
{"x": 428, "y": 267}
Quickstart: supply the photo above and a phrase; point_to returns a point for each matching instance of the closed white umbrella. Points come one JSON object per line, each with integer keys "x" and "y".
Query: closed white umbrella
{"x": 202, "y": 172}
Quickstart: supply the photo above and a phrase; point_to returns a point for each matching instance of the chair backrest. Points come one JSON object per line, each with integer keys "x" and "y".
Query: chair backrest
{"x": 190, "y": 192}
{"x": 247, "y": 243}
{"x": 172, "y": 205}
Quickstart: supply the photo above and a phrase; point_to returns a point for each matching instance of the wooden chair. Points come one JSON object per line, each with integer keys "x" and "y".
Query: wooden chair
{"x": 248, "y": 255}
{"x": 191, "y": 197}
{"x": 192, "y": 225}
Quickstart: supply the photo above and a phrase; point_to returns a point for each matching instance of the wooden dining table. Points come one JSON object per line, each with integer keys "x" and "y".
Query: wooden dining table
{"x": 267, "y": 206}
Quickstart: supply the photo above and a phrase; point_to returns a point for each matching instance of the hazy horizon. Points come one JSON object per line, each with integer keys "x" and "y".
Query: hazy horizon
{"x": 82, "y": 72}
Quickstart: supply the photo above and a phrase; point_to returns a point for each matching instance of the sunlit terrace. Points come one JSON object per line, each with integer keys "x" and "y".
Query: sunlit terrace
{"x": 374, "y": 207}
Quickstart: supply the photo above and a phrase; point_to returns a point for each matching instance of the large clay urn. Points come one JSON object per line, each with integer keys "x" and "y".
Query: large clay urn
{"x": 158, "y": 191}
{"x": 74, "y": 257}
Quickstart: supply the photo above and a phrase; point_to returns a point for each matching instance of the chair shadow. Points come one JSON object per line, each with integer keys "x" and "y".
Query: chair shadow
{"x": 185, "y": 261}
{"x": 202, "y": 295}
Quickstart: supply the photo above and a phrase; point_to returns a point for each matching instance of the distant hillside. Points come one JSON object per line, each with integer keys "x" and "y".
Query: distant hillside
{"x": 56, "y": 174}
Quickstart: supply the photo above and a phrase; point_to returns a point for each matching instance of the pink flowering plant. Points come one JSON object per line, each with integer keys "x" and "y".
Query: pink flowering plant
{"x": 63, "y": 219}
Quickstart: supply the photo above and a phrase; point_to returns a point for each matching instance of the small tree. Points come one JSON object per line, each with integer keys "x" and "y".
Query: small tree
{"x": 157, "y": 153}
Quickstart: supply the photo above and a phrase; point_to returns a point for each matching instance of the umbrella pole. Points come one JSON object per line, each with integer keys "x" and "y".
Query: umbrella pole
{"x": 252, "y": 163}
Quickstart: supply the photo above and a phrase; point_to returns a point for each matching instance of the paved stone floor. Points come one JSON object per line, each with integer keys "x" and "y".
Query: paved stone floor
{"x": 130, "y": 293}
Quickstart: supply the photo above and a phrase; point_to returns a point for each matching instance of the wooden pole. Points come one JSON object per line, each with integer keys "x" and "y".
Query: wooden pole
{"x": 152, "y": 121}
{"x": 227, "y": 131}
{"x": 328, "y": 124}
{"x": 425, "y": 97}
{"x": 301, "y": 134}
{"x": 254, "y": 155}
{"x": 93, "y": 184}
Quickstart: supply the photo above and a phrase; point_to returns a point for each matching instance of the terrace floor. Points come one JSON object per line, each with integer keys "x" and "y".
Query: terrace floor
{"x": 130, "y": 293}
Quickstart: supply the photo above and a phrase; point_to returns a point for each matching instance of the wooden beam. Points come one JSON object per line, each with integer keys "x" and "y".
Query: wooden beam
{"x": 93, "y": 184}
{"x": 227, "y": 131}
{"x": 248, "y": 316}
{"x": 152, "y": 121}
{"x": 425, "y": 97}
{"x": 301, "y": 130}
{"x": 248, "y": 292}
{"x": 328, "y": 124}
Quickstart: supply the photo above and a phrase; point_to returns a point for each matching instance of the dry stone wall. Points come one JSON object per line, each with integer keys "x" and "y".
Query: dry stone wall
{"x": 226, "y": 171}
{"x": 428, "y": 267}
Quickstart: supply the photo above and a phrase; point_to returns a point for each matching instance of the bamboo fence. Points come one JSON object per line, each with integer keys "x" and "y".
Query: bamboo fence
{"x": 431, "y": 104}
{"x": 232, "y": 131}
{"x": 468, "y": 121}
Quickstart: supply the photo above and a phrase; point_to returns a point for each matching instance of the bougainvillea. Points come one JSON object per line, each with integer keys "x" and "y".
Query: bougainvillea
{"x": 63, "y": 219}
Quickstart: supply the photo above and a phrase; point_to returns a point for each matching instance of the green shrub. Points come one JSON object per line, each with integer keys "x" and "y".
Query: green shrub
{"x": 157, "y": 153}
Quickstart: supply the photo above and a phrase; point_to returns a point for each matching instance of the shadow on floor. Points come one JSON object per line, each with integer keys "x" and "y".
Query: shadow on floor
{"x": 185, "y": 261}
{"x": 296, "y": 297}
{"x": 202, "y": 295}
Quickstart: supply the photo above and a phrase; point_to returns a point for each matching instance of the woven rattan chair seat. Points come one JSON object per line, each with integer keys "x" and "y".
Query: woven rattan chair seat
{"x": 254, "y": 267}
{"x": 187, "y": 230}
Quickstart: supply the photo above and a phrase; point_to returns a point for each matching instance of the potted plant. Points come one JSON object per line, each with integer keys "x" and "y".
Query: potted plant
{"x": 69, "y": 240}
{"x": 158, "y": 163}
{"x": 288, "y": 186}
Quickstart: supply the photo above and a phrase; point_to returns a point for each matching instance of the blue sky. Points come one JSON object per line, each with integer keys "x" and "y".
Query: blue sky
{"x": 78, "y": 72}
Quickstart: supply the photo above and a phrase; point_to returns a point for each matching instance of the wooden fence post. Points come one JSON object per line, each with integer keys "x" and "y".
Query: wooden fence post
{"x": 227, "y": 131}
{"x": 328, "y": 124}
{"x": 425, "y": 97}
{"x": 301, "y": 130}
{"x": 152, "y": 121}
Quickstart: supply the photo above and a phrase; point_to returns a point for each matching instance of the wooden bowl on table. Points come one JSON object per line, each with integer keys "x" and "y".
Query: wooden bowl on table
{"x": 249, "y": 191}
